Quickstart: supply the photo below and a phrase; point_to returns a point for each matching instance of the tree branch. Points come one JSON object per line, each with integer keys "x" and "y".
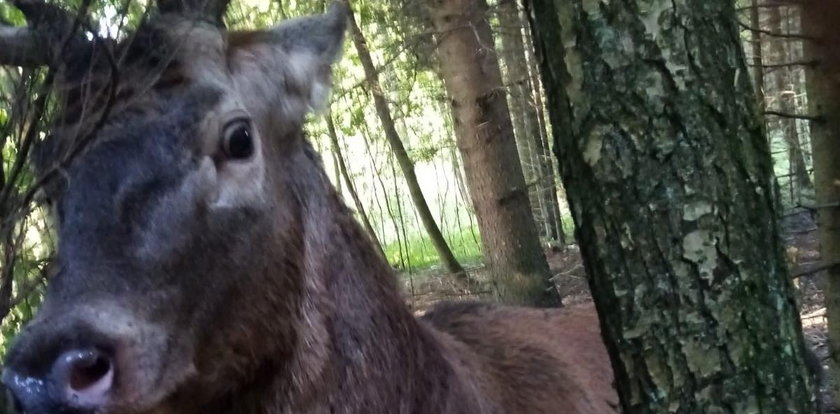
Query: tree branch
{"x": 811, "y": 270}
{"x": 795, "y": 116}
{"x": 807, "y": 63}
{"x": 769, "y": 6}
{"x": 775, "y": 34}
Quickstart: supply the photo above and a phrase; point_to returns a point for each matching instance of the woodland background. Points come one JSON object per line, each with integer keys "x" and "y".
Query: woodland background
{"x": 390, "y": 119}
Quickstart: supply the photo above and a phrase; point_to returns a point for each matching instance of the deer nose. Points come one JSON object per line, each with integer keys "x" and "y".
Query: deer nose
{"x": 84, "y": 377}
{"x": 79, "y": 381}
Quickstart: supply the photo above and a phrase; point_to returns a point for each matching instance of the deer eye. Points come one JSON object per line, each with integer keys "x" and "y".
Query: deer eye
{"x": 238, "y": 142}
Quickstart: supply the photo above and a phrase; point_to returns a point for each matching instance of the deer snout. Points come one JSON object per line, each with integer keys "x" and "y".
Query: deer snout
{"x": 66, "y": 362}
{"x": 95, "y": 358}
{"x": 76, "y": 381}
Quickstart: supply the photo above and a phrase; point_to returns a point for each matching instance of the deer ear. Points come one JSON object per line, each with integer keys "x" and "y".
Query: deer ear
{"x": 296, "y": 55}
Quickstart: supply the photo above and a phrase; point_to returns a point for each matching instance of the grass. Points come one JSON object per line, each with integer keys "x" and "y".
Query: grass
{"x": 417, "y": 253}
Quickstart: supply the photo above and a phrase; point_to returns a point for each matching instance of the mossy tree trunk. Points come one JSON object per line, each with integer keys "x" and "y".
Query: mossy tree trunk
{"x": 669, "y": 179}
{"x": 473, "y": 80}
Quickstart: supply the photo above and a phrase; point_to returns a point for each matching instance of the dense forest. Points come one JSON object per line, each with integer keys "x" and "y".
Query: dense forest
{"x": 676, "y": 163}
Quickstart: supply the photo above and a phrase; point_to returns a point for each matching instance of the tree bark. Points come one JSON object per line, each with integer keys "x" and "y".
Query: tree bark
{"x": 339, "y": 187}
{"x": 669, "y": 179}
{"x": 406, "y": 165}
{"x": 341, "y": 166}
{"x": 539, "y": 105}
{"x": 551, "y": 183}
{"x": 820, "y": 23}
{"x": 758, "y": 53}
{"x": 512, "y": 54}
{"x": 519, "y": 85}
{"x": 473, "y": 81}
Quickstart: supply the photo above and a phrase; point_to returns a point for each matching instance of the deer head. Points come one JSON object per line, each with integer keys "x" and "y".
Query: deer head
{"x": 180, "y": 182}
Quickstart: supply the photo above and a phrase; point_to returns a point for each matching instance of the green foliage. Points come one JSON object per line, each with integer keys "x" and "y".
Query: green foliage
{"x": 418, "y": 253}
{"x": 10, "y": 15}
{"x": 18, "y": 317}
{"x": 30, "y": 247}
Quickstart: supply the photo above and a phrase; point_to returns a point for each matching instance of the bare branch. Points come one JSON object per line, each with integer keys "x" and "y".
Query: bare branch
{"x": 815, "y": 207}
{"x": 28, "y": 140}
{"x": 775, "y": 34}
{"x": 45, "y": 271}
{"x": 795, "y": 116}
{"x": 773, "y": 5}
{"x": 813, "y": 269}
{"x": 806, "y": 63}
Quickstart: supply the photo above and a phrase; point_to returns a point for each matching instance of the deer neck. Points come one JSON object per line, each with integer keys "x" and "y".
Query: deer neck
{"x": 358, "y": 345}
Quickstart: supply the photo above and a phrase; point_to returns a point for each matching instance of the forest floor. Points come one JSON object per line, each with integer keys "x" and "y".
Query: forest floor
{"x": 802, "y": 247}
{"x": 803, "y": 253}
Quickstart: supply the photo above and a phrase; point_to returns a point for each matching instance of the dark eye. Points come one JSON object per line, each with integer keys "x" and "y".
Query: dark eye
{"x": 237, "y": 143}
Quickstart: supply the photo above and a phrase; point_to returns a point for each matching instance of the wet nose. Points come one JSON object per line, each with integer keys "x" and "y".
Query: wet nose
{"x": 77, "y": 381}
{"x": 84, "y": 377}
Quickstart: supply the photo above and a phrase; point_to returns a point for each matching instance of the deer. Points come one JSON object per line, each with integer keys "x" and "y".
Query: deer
{"x": 205, "y": 263}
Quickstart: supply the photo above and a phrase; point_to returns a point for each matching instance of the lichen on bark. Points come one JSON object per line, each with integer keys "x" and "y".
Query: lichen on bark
{"x": 669, "y": 178}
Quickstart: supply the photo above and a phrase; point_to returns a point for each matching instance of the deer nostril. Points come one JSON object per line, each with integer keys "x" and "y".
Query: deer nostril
{"x": 88, "y": 372}
{"x": 85, "y": 377}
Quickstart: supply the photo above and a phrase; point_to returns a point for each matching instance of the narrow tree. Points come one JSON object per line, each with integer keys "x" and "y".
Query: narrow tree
{"x": 757, "y": 52}
{"x": 336, "y": 170}
{"x": 820, "y": 27}
{"x": 406, "y": 165}
{"x": 341, "y": 166}
{"x": 485, "y": 136}
{"x": 512, "y": 54}
{"x": 524, "y": 109}
{"x": 539, "y": 105}
{"x": 785, "y": 94}
{"x": 669, "y": 178}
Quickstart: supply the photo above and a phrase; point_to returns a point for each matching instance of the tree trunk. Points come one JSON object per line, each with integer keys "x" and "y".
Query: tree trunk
{"x": 786, "y": 92}
{"x": 669, "y": 179}
{"x": 760, "y": 82}
{"x": 473, "y": 81}
{"x": 757, "y": 52}
{"x": 537, "y": 91}
{"x": 513, "y": 56}
{"x": 351, "y": 188}
{"x": 339, "y": 187}
{"x": 820, "y": 23}
{"x": 551, "y": 183}
{"x": 405, "y": 163}
{"x": 519, "y": 81}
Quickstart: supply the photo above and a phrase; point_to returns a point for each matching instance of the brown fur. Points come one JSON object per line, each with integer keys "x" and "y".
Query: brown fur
{"x": 533, "y": 360}
{"x": 375, "y": 357}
